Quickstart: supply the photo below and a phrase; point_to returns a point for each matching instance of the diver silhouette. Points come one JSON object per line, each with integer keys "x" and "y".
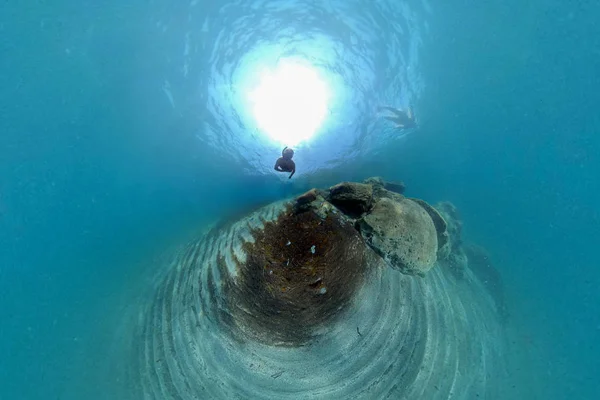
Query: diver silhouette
{"x": 401, "y": 119}
{"x": 285, "y": 163}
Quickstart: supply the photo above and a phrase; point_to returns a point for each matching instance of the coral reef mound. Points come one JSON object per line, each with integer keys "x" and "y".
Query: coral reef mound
{"x": 403, "y": 233}
{"x": 304, "y": 299}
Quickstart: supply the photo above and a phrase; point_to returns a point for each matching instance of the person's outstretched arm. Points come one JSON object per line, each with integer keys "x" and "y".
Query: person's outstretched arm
{"x": 293, "y": 172}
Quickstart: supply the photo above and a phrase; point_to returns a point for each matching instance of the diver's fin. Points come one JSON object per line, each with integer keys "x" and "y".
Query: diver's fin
{"x": 391, "y": 109}
{"x": 391, "y": 119}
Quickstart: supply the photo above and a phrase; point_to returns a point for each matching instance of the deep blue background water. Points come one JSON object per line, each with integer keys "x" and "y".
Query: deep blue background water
{"x": 99, "y": 173}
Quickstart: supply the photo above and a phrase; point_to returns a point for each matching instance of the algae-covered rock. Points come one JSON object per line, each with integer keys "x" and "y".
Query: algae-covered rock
{"x": 375, "y": 181}
{"x": 396, "y": 187}
{"x": 452, "y": 254}
{"x": 380, "y": 191}
{"x": 378, "y": 182}
{"x": 300, "y": 272}
{"x": 456, "y": 261}
{"x": 402, "y": 233}
{"x": 352, "y": 198}
{"x": 307, "y": 197}
{"x": 303, "y": 202}
{"x": 454, "y": 223}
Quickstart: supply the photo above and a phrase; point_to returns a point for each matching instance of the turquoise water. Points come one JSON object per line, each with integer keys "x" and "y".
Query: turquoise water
{"x": 122, "y": 134}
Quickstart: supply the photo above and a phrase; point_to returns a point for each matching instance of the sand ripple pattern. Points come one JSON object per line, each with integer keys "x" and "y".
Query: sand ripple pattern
{"x": 403, "y": 337}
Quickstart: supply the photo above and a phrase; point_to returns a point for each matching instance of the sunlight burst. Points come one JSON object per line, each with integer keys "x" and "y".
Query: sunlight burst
{"x": 290, "y": 102}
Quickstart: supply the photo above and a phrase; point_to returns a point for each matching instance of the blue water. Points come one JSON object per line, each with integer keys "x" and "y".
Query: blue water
{"x": 121, "y": 135}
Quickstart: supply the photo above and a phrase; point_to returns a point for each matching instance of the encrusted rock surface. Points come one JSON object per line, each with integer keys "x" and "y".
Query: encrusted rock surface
{"x": 402, "y": 233}
{"x": 377, "y": 181}
{"x": 440, "y": 223}
{"x": 303, "y": 202}
{"x": 452, "y": 254}
{"x": 396, "y": 187}
{"x": 379, "y": 189}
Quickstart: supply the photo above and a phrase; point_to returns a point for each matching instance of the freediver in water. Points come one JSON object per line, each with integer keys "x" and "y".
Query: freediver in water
{"x": 285, "y": 163}
{"x": 401, "y": 119}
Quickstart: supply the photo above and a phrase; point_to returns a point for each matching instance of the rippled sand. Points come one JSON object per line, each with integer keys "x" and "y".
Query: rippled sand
{"x": 398, "y": 336}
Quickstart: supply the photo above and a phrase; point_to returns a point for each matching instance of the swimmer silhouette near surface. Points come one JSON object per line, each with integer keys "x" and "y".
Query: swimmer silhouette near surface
{"x": 401, "y": 119}
{"x": 285, "y": 163}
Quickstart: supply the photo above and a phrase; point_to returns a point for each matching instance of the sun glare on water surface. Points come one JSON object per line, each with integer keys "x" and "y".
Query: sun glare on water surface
{"x": 289, "y": 102}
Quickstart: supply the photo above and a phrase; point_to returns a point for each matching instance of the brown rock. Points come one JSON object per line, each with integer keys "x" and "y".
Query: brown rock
{"x": 306, "y": 198}
{"x": 309, "y": 200}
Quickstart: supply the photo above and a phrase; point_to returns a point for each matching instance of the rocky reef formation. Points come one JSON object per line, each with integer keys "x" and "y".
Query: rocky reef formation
{"x": 452, "y": 254}
{"x": 299, "y": 272}
{"x": 332, "y": 295}
{"x": 461, "y": 258}
{"x": 398, "y": 229}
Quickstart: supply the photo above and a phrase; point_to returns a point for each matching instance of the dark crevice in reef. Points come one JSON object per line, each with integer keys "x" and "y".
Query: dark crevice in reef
{"x": 353, "y": 199}
{"x": 300, "y": 273}
{"x": 350, "y": 208}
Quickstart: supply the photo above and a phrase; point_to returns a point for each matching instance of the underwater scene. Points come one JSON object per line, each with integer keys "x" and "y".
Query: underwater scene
{"x": 299, "y": 199}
